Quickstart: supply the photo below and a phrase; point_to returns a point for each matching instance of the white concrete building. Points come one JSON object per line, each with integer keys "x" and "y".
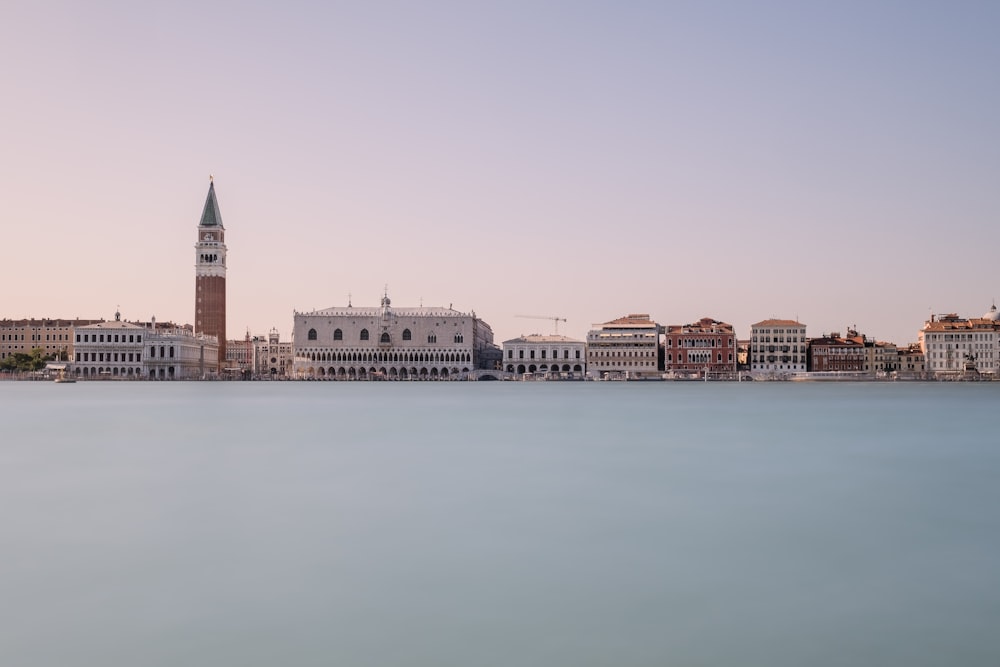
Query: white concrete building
{"x": 178, "y": 353}
{"x": 122, "y": 350}
{"x": 777, "y": 347}
{"x": 423, "y": 343}
{"x": 552, "y": 355}
{"x": 626, "y": 348}
{"x": 953, "y": 345}
{"x": 109, "y": 350}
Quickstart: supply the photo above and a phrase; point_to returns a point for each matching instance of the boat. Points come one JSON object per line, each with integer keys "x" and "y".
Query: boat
{"x": 62, "y": 378}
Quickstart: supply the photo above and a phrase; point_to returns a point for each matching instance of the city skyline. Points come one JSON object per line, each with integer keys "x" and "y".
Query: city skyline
{"x": 834, "y": 165}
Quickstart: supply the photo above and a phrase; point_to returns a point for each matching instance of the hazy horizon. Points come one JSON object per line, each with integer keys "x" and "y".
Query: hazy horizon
{"x": 835, "y": 164}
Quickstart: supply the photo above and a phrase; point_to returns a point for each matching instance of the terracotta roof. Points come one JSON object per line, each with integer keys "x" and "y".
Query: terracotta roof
{"x": 704, "y": 325}
{"x": 954, "y": 324}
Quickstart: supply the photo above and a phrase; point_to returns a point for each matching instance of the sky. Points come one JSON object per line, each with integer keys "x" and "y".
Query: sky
{"x": 832, "y": 162}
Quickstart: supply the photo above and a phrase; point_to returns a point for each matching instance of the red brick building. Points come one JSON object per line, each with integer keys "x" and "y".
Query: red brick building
{"x": 706, "y": 345}
{"x": 834, "y": 353}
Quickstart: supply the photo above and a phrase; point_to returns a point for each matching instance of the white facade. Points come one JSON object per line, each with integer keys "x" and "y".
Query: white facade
{"x": 553, "y": 354}
{"x": 109, "y": 350}
{"x": 136, "y": 350}
{"x": 627, "y": 347}
{"x": 953, "y": 345}
{"x": 778, "y": 347}
{"x": 177, "y": 353}
{"x": 351, "y": 343}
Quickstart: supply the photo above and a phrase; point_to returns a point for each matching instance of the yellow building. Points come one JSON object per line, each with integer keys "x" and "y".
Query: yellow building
{"x": 54, "y": 337}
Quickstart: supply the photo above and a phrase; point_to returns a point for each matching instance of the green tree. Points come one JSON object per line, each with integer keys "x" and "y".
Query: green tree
{"x": 19, "y": 361}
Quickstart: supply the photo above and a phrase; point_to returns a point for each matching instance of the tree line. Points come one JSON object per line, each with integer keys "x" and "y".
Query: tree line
{"x": 33, "y": 361}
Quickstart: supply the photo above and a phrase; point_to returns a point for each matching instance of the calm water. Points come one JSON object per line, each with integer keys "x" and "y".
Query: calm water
{"x": 499, "y": 524}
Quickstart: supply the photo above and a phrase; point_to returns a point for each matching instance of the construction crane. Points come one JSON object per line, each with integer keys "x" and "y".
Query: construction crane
{"x": 556, "y": 320}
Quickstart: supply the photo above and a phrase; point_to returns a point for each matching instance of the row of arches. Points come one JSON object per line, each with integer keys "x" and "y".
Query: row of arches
{"x": 379, "y": 356}
{"x": 382, "y": 373}
{"x": 87, "y": 371}
{"x": 124, "y": 372}
{"x": 521, "y": 369}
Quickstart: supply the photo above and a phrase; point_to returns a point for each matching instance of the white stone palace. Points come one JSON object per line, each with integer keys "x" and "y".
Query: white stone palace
{"x": 122, "y": 350}
{"x": 553, "y": 355}
{"x": 348, "y": 343}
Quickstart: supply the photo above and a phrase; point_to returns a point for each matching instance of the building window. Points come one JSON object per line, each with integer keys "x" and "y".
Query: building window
{"x": 432, "y": 338}
{"x": 406, "y": 334}
{"x": 458, "y": 338}
{"x": 312, "y": 334}
{"x": 384, "y": 338}
{"x": 364, "y": 334}
{"x": 338, "y": 334}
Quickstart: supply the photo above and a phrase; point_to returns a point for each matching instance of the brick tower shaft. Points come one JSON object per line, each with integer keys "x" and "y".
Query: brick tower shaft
{"x": 210, "y": 277}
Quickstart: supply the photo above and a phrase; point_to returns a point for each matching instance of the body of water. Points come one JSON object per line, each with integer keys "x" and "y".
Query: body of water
{"x": 499, "y": 524}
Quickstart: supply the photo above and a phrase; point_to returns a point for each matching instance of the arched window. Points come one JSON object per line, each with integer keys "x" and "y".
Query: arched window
{"x": 432, "y": 338}
{"x": 364, "y": 334}
{"x": 312, "y": 334}
{"x": 384, "y": 338}
{"x": 458, "y": 338}
{"x": 338, "y": 334}
{"x": 406, "y": 334}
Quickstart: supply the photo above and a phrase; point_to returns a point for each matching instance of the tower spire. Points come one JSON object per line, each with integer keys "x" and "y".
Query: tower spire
{"x": 210, "y": 215}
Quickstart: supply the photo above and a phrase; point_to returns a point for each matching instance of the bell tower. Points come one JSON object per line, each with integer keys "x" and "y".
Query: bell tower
{"x": 210, "y": 276}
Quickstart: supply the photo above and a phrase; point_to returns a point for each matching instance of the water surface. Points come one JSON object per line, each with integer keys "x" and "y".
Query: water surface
{"x": 499, "y": 524}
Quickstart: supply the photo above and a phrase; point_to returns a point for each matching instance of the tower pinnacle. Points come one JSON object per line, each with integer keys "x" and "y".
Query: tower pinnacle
{"x": 210, "y": 215}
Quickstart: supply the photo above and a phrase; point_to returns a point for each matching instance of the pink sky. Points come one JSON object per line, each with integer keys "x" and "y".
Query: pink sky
{"x": 832, "y": 163}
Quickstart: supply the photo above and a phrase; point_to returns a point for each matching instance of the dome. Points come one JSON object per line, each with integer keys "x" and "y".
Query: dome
{"x": 993, "y": 314}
